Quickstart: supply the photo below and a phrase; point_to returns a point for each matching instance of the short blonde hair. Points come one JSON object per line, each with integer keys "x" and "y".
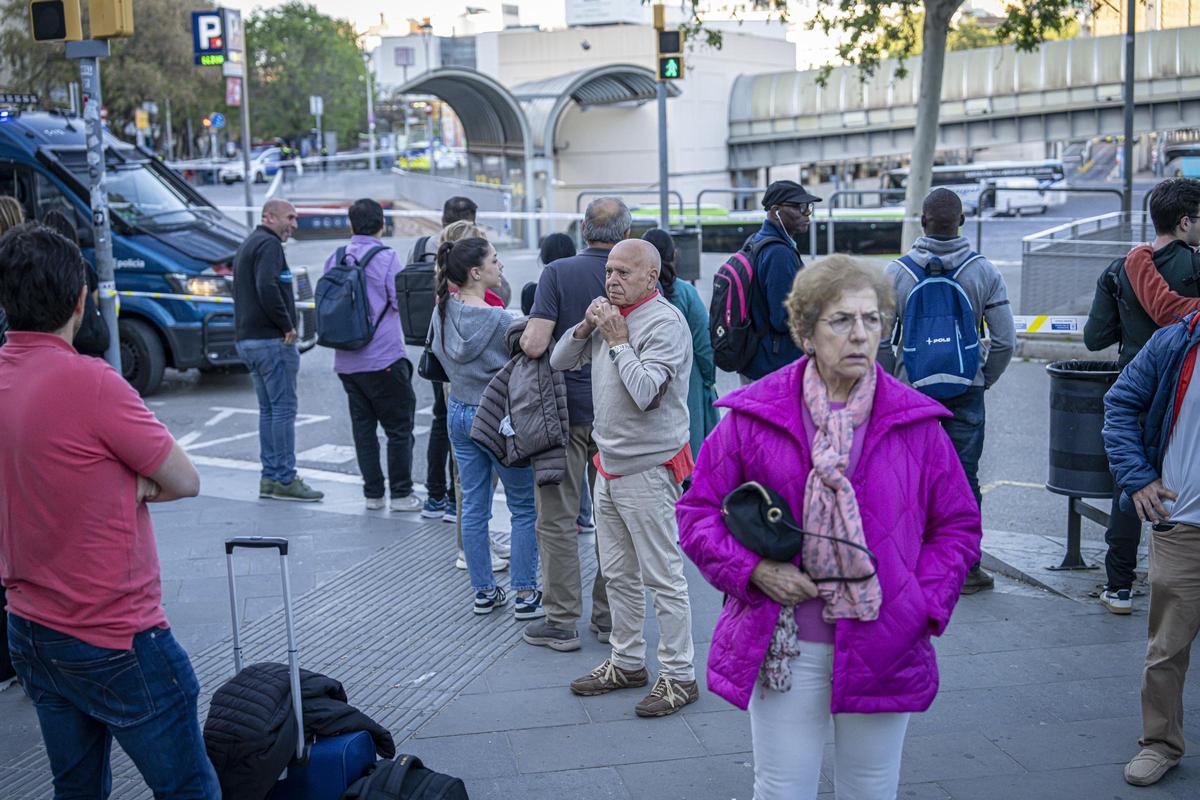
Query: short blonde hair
{"x": 824, "y": 281}
{"x": 462, "y": 229}
{"x": 12, "y": 213}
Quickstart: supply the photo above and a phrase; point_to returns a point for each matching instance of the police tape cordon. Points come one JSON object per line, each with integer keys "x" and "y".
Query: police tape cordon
{"x": 1044, "y": 324}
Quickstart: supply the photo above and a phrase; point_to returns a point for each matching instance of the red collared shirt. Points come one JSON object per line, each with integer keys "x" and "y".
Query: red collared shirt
{"x": 77, "y": 551}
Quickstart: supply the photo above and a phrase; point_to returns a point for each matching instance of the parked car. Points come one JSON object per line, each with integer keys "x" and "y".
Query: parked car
{"x": 264, "y": 163}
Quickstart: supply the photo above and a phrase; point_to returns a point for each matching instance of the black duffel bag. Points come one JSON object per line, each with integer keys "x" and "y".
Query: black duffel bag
{"x": 405, "y": 778}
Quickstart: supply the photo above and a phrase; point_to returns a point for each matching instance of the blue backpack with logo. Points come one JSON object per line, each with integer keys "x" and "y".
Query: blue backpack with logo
{"x": 937, "y": 334}
{"x": 344, "y": 319}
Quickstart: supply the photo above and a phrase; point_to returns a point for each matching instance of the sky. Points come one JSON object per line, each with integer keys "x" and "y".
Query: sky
{"x": 365, "y": 13}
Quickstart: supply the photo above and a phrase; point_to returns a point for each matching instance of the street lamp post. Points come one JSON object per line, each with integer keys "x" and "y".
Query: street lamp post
{"x": 1127, "y": 149}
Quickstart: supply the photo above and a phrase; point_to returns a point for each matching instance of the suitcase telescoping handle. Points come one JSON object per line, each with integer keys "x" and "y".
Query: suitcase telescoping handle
{"x": 280, "y": 544}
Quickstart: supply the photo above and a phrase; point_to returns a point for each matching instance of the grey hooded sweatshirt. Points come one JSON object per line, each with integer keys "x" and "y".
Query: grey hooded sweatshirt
{"x": 989, "y": 298}
{"x": 471, "y": 347}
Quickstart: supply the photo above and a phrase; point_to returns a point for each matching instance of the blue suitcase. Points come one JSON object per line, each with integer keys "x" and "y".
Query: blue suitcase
{"x": 324, "y": 768}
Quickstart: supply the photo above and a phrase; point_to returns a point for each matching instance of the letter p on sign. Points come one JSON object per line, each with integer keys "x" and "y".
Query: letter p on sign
{"x": 207, "y": 33}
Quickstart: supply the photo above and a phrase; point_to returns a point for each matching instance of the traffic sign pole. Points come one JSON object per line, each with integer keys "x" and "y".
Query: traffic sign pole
{"x": 248, "y": 192}
{"x": 89, "y": 53}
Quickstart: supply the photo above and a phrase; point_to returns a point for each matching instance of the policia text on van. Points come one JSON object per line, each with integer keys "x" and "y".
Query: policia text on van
{"x": 166, "y": 238}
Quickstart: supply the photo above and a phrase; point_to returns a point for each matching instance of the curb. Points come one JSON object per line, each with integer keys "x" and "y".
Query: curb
{"x": 1059, "y": 348}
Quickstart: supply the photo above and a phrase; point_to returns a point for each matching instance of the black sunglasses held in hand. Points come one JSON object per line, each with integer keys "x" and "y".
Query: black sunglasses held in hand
{"x": 762, "y": 521}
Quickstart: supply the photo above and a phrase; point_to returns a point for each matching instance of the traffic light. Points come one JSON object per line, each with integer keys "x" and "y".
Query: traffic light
{"x": 110, "y": 19}
{"x": 670, "y": 42}
{"x": 55, "y": 20}
{"x": 670, "y": 68}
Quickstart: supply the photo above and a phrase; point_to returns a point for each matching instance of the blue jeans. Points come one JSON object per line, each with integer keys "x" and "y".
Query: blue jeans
{"x": 585, "y": 504}
{"x": 86, "y": 695}
{"x": 274, "y": 367}
{"x": 475, "y": 465}
{"x": 966, "y": 429}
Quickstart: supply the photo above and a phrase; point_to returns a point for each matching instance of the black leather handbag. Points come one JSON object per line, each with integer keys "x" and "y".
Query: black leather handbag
{"x": 429, "y": 367}
{"x": 763, "y": 523}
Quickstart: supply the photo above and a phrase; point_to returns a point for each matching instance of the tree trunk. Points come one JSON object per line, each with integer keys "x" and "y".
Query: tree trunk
{"x": 933, "y": 59}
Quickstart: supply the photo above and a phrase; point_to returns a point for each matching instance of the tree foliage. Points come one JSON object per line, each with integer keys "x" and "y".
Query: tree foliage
{"x": 154, "y": 64}
{"x": 295, "y": 52}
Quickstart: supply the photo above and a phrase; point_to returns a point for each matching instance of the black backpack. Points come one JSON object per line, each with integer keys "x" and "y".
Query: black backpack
{"x": 1103, "y": 326}
{"x": 415, "y": 293}
{"x": 730, "y": 320}
{"x": 343, "y": 308}
{"x": 405, "y": 778}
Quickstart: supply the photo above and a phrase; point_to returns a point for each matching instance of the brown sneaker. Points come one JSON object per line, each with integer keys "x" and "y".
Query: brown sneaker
{"x": 609, "y": 677}
{"x": 667, "y": 697}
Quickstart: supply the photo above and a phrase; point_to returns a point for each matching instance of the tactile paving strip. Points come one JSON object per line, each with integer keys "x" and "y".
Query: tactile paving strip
{"x": 397, "y": 630}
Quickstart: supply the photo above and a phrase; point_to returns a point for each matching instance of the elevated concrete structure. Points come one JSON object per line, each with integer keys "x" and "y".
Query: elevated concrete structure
{"x": 992, "y": 96}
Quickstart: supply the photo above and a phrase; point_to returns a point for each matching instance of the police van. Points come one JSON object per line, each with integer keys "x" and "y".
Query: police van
{"x": 166, "y": 239}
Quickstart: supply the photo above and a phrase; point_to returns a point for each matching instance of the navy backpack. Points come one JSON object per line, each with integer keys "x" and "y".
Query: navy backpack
{"x": 937, "y": 334}
{"x": 343, "y": 312}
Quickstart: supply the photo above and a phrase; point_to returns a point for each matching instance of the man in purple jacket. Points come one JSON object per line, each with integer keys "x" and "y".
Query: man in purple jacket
{"x": 378, "y": 377}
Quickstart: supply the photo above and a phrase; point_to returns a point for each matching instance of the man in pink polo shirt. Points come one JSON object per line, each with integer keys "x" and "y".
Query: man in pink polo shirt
{"x": 81, "y": 458}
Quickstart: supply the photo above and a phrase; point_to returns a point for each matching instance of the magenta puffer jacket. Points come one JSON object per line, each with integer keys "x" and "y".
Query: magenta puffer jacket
{"x": 920, "y": 520}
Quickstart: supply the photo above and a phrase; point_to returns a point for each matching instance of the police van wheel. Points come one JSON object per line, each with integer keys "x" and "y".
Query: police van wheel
{"x": 142, "y": 357}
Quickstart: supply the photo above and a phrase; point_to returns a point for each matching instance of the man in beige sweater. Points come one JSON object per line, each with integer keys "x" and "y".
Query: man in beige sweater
{"x": 640, "y": 350}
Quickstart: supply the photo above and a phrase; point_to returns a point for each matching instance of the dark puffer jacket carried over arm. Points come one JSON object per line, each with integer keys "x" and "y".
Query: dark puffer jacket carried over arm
{"x": 250, "y": 733}
{"x": 533, "y": 396}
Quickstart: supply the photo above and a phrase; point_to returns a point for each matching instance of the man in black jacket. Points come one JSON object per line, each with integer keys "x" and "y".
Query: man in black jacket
{"x": 264, "y": 314}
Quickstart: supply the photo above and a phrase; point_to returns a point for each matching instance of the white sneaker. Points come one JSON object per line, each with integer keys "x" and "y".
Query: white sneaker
{"x": 7, "y": 682}
{"x": 410, "y": 503}
{"x": 498, "y": 564}
{"x": 501, "y": 551}
{"x": 374, "y": 503}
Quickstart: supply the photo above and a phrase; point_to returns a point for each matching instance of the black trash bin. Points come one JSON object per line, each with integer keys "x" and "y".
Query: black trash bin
{"x": 1078, "y": 466}
{"x": 687, "y": 253}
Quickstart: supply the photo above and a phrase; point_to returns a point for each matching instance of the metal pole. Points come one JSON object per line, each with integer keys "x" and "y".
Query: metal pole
{"x": 248, "y": 194}
{"x": 664, "y": 205}
{"x": 88, "y": 53}
{"x": 320, "y": 140}
{"x": 212, "y": 152}
{"x": 1130, "y": 69}
{"x": 191, "y": 141}
{"x": 370, "y": 112}
{"x": 170, "y": 134}
{"x": 429, "y": 138}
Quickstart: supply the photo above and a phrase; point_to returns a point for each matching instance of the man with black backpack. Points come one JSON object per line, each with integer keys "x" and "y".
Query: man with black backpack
{"x": 1155, "y": 285}
{"x": 748, "y": 323}
{"x": 947, "y": 296}
{"x": 376, "y": 373}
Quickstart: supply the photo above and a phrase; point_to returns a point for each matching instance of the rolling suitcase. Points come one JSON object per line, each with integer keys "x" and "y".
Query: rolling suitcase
{"x": 324, "y": 768}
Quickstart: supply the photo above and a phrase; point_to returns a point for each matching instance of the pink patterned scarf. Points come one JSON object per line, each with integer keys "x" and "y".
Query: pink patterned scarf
{"x": 830, "y": 508}
{"x": 830, "y": 505}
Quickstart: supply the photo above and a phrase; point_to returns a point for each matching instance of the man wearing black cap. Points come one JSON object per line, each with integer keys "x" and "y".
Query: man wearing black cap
{"x": 789, "y": 207}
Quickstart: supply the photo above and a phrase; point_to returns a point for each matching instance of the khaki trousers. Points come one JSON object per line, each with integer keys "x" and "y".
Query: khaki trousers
{"x": 1174, "y": 623}
{"x": 558, "y": 540}
{"x": 639, "y": 550}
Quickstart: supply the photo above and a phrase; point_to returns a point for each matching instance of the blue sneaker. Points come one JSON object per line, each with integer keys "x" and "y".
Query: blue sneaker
{"x": 529, "y": 607}
{"x": 434, "y": 509}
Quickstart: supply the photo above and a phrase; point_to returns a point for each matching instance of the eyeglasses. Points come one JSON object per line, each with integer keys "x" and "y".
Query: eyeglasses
{"x": 842, "y": 324}
{"x": 804, "y": 208}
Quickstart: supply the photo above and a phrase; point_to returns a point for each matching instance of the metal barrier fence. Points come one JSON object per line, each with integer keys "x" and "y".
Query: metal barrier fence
{"x": 1060, "y": 265}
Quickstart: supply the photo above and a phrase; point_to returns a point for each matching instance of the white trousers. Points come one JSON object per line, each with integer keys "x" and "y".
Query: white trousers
{"x": 790, "y": 730}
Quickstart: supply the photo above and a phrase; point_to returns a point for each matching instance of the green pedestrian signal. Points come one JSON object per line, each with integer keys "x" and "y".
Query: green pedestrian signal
{"x": 670, "y": 68}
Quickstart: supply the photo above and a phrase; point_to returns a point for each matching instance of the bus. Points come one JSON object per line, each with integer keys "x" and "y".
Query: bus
{"x": 1029, "y": 185}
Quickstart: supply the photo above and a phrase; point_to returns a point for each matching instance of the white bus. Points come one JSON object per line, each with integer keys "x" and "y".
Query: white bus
{"x": 1035, "y": 180}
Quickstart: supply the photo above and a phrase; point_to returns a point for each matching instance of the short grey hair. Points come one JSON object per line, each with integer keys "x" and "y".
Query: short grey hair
{"x": 606, "y": 220}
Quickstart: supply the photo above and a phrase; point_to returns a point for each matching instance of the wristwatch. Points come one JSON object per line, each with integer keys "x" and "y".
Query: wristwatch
{"x": 616, "y": 350}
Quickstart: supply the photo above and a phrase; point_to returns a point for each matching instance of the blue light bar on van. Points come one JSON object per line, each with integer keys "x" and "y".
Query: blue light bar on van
{"x": 5, "y": 116}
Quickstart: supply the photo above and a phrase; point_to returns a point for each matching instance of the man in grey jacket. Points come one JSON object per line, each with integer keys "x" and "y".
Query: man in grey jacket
{"x": 641, "y": 356}
{"x": 941, "y": 219}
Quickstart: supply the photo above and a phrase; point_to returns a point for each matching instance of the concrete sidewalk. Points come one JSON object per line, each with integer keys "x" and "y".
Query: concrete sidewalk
{"x": 1039, "y": 692}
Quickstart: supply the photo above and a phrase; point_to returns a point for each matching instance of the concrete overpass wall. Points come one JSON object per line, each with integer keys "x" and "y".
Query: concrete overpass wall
{"x": 990, "y": 96}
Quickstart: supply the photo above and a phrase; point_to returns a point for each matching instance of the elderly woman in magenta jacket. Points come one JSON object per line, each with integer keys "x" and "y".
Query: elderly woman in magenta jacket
{"x": 862, "y": 458}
